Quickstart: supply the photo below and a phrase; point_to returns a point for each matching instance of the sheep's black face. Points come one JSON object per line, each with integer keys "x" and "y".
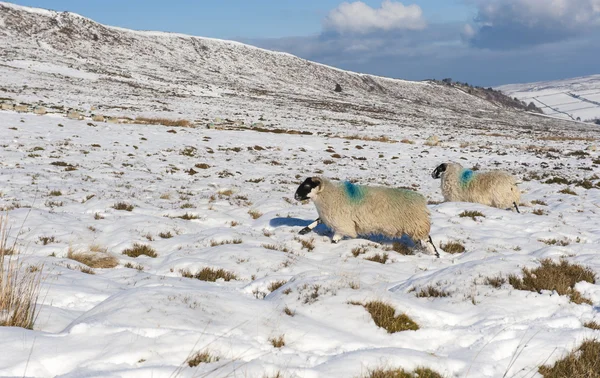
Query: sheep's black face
{"x": 306, "y": 188}
{"x": 437, "y": 173}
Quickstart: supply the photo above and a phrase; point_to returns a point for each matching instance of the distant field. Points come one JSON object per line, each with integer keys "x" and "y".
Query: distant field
{"x": 577, "y": 98}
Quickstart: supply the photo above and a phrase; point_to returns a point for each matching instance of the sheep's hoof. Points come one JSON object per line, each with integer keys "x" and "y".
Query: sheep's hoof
{"x": 304, "y": 231}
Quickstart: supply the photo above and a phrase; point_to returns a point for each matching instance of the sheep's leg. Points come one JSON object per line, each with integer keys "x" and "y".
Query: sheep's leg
{"x": 437, "y": 254}
{"x": 516, "y": 207}
{"x": 310, "y": 227}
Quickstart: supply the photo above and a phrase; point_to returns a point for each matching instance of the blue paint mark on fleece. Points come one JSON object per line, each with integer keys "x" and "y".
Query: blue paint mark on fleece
{"x": 466, "y": 177}
{"x": 354, "y": 192}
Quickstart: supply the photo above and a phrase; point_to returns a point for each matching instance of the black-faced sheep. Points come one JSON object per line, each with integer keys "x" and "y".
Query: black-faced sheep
{"x": 492, "y": 188}
{"x": 352, "y": 210}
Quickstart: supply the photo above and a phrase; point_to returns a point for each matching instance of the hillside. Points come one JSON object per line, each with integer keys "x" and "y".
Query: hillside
{"x": 576, "y": 99}
{"x": 48, "y": 56}
{"x": 171, "y": 248}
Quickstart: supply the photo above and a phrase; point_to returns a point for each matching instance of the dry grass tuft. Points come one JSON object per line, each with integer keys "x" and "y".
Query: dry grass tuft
{"x": 357, "y": 251}
{"x": 140, "y": 249}
{"x": 385, "y": 317}
{"x": 581, "y": 363}
{"x": 94, "y": 258}
{"x": 202, "y": 358}
{"x": 123, "y": 206}
{"x": 432, "y": 291}
{"x": 378, "y": 258}
{"x": 19, "y": 287}
{"x": 277, "y": 342}
{"x": 276, "y": 285}
{"x": 306, "y": 244}
{"x": 209, "y": 274}
{"x": 401, "y": 373}
{"x": 567, "y": 191}
{"x": 471, "y": 214}
{"x": 273, "y": 247}
{"x": 288, "y": 311}
{"x": 163, "y": 121}
{"x": 214, "y": 243}
{"x": 495, "y": 282}
{"x": 561, "y": 277}
{"x": 255, "y": 214}
{"x": 453, "y": 247}
{"x": 592, "y": 325}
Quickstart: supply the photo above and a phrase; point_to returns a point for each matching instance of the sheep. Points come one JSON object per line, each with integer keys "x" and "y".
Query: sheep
{"x": 40, "y": 110}
{"x": 493, "y": 188}
{"x": 73, "y": 114}
{"x": 6, "y": 106}
{"x": 352, "y": 210}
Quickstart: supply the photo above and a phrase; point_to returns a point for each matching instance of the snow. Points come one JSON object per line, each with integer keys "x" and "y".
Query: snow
{"x": 557, "y": 97}
{"x": 128, "y": 322}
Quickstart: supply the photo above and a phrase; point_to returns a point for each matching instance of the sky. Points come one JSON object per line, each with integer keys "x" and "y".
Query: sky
{"x": 482, "y": 42}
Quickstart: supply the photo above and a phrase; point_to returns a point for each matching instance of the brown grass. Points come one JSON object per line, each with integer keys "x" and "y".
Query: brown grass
{"x": 123, "y": 206}
{"x": 496, "y": 282}
{"x": 378, "y": 258}
{"x": 592, "y": 325}
{"x": 214, "y": 243}
{"x": 453, "y": 247}
{"x": 94, "y": 258}
{"x": 550, "y": 275}
{"x": 401, "y": 373}
{"x": 140, "y": 249}
{"x": 203, "y": 357}
{"x": 209, "y": 274}
{"x": 255, "y": 214}
{"x": 276, "y": 285}
{"x": 274, "y": 247}
{"x": 306, "y": 244}
{"x": 432, "y": 292}
{"x": 581, "y": 363}
{"x": 163, "y": 121}
{"x": 565, "y": 138}
{"x": 567, "y": 191}
{"x": 19, "y": 287}
{"x": 385, "y": 317}
{"x": 278, "y": 341}
{"x": 471, "y": 214}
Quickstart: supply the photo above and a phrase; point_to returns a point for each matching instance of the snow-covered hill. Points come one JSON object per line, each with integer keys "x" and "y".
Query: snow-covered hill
{"x": 221, "y": 198}
{"x": 576, "y": 99}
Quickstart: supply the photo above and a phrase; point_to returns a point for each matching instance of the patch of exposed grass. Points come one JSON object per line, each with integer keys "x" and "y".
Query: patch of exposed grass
{"x": 592, "y": 325}
{"x": 55, "y": 193}
{"x": 163, "y": 121}
{"x": 562, "y": 243}
{"x": 123, "y": 206}
{"x": 187, "y": 216}
{"x": 94, "y": 259}
{"x": 400, "y": 248}
{"x": 357, "y": 251}
{"x": 453, "y": 247}
{"x": 432, "y": 291}
{"x": 276, "y": 285}
{"x": 275, "y": 247}
{"x": 567, "y": 191}
{"x": 496, "y": 282}
{"x": 255, "y": 214}
{"x": 288, "y": 311}
{"x": 401, "y": 373}
{"x": 165, "y": 235}
{"x": 385, "y": 317}
{"x": 139, "y": 250}
{"x": 471, "y": 214}
{"x": 139, "y": 267}
{"x": 584, "y": 362}
{"x": 560, "y": 277}
{"x": 557, "y": 180}
{"x": 379, "y": 258}
{"x": 203, "y": 357}
{"x": 209, "y": 274}
{"x": 539, "y": 202}
{"x": 539, "y": 211}
{"x": 306, "y": 244}
{"x": 45, "y": 240}
{"x": 19, "y": 287}
{"x": 278, "y": 341}
{"x": 214, "y": 243}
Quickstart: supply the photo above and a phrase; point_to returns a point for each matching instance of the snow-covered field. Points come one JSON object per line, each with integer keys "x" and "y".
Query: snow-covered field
{"x": 577, "y": 98}
{"x": 132, "y": 322}
{"x": 223, "y": 199}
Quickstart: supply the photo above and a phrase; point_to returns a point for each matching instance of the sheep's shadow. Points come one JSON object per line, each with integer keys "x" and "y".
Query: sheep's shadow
{"x": 323, "y": 230}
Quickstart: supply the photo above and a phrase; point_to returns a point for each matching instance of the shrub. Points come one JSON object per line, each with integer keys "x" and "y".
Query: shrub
{"x": 123, "y": 206}
{"x": 255, "y": 214}
{"x": 432, "y": 291}
{"x": 277, "y": 342}
{"x": 550, "y": 275}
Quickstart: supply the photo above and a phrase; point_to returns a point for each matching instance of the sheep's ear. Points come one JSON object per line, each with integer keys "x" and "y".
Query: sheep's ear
{"x": 437, "y": 173}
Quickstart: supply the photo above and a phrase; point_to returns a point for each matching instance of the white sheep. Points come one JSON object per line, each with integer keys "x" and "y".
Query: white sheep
{"x": 352, "y": 210}
{"x": 492, "y": 188}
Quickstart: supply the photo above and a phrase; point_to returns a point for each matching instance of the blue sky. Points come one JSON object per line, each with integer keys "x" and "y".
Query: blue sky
{"x": 483, "y": 42}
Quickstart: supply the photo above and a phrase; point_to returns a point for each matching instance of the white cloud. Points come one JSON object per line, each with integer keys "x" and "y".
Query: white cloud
{"x": 358, "y": 17}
